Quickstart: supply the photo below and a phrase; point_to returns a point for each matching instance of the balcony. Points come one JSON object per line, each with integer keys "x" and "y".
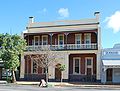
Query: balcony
{"x": 92, "y": 46}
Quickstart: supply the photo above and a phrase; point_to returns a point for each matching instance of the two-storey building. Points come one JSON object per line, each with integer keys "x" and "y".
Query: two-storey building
{"x": 80, "y": 40}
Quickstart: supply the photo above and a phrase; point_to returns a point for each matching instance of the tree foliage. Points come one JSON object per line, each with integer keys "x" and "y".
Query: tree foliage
{"x": 11, "y": 47}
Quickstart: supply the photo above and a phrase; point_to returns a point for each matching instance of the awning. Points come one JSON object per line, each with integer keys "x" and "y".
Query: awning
{"x": 111, "y": 64}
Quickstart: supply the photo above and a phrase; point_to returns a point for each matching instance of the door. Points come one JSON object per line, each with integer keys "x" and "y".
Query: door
{"x": 109, "y": 75}
{"x": 57, "y": 73}
{"x": 89, "y": 74}
{"x": 89, "y": 68}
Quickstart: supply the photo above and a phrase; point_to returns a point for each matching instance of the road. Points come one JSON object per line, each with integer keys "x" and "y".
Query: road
{"x": 13, "y": 87}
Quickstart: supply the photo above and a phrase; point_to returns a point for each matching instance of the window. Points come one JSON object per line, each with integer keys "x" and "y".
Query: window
{"x": 44, "y": 40}
{"x": 36, "y": 40}
{"x": 87, "y": 40}
{"x": 78, "y": 39}
{"x": 89, "y": 61}
{"x": 61, "y": 39}
{"x": 76, "y": 65}
{"x": 35, "y": 67}
{"x": 43, "y": 70}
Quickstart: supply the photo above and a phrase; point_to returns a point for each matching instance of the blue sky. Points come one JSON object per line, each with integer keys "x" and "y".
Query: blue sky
{"x": 14, "y": 15}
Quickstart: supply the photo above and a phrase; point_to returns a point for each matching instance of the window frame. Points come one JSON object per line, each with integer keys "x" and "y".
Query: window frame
{"x": 59, "y": 39}
{"x": 46, "y": 39}
{"x": 77, "y": 39}
{"x": 85, "y": 38}
{"x": 89, "y": 66}
{"x": 33, "y": 69}
{"x": 35, "y": 40}
{"x": 74, "y": 65}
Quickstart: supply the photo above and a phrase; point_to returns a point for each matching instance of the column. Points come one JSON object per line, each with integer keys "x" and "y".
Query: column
{"x": 103, "y": 75}
{"x": 51, "y": 38}
{"x": 66, "y": 34}
{"x": 22, "y": 66}
{"x": 98, "y": 65}
{"x": 51, "y": 72}
{"x": 66, "y": 62}
{"x": 99, "y": 38}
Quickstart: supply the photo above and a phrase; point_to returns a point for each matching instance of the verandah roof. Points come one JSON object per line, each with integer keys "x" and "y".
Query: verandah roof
{"x": 111, "y": 63}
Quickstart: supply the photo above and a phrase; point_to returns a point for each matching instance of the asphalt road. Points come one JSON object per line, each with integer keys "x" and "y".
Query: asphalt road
{"x": 12, "y": 87}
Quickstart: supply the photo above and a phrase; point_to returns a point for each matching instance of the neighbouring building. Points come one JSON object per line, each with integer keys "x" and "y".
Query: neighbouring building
{"x": 110, "y": 70}
{"x": 80, "y": 40}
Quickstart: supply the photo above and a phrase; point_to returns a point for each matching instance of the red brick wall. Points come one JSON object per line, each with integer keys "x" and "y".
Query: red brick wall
{"x": 27, "y": 64}
{"x": 71, "y": 38}
{"x": 55, "y": 38}
{"x": 82, "y": 64}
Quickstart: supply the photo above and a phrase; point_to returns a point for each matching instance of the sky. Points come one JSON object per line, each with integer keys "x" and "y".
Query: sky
{"x": 14, "y": 15}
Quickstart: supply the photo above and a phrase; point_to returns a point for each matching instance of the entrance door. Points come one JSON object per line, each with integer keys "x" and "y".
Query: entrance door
{"x": 89, "y": 71}
{"x": 89, "y": 68}
{"x": 89, "y": 74}
{"x": 109, "y": 75}
{"x": 57, "y": 73}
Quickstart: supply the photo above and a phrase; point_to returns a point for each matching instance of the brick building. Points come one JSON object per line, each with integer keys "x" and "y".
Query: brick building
{"x": 80, "y": 40}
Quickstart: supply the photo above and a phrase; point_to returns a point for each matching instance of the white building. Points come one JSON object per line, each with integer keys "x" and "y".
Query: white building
{"x": 110, "y": 69}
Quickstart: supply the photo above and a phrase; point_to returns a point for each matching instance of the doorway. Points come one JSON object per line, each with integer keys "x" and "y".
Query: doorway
{"x": 89, "y": 74}
{"x": 109, "y": 75}
{"x": 57, "y": 73}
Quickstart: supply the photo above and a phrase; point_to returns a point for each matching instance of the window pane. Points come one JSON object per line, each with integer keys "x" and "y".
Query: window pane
{"x": 45, "y": 40}
{"x": 76, "y": 69}
{"x": 89, "y": 62}
{"x": 36, "y": 40}
{"x": 76, "y": 65}
{"x": 61, "y": 41}
{"x": 78, "y": 39}
{"x": 34, "y": 67}
{"x": 60, "y": 37}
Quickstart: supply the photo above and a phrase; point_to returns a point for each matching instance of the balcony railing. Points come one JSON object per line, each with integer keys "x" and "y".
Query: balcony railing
{"x": 63, "y": 47}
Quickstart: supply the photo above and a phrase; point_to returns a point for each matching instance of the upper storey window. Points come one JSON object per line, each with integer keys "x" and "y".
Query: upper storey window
{"x": 61, "y": 39}
{"x": 44, "y": 40}
{"x": 36, "y": 40}
{"x": 87, "y": 41}
{"x": 87, "y": 38}
{"x": 78, "y": 39}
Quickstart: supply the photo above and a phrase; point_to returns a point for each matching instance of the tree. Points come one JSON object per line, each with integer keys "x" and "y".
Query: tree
{"x": 11, "y": 47}
{"x": 46, "y": 58}
{"x": 62, "y": 68}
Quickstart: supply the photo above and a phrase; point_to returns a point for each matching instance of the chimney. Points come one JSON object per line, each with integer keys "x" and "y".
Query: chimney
{"x": 31, "y": 19}
{"x": 97, "y": 14}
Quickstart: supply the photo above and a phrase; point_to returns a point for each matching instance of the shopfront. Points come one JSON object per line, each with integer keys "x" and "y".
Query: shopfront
{"x": 110, "y": 67}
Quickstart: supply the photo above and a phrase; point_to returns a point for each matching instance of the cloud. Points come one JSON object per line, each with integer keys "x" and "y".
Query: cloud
{"x": 63, "y": 12}
{"x": 113, "y": 22}
{"x": 43, "y": 11}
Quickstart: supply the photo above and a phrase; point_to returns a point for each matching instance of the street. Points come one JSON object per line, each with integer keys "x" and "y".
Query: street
{"x": 13, "y": 87}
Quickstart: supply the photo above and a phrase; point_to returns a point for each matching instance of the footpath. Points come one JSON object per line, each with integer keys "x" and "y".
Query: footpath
{"x": 81, "y": 85}
{"x": 66, "y": 84}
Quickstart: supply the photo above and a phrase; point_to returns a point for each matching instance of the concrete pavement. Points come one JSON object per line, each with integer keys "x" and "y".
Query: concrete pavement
{"x": 65, "y": 84}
